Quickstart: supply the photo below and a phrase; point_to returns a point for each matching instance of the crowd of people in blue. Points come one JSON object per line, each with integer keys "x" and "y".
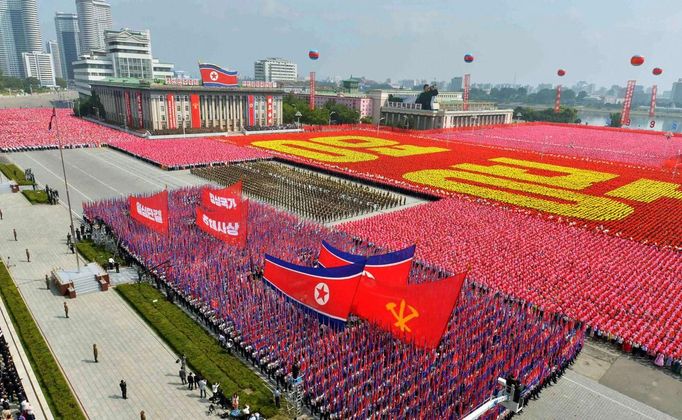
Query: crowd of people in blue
{"x": 360, "y": 370}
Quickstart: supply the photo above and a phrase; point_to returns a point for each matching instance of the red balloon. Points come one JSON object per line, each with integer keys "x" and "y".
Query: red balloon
{"x": 637, "y": 60}
{"x": 468, "y": 58}
{"x": 561, "y": 72}
{"x": 313, "y": 54}
{"x": 657, "y": 71}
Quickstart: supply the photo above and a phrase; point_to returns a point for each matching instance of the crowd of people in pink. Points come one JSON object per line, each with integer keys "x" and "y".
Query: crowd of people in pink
{"x": 185, "y": 153}
{"x": 653, "y": 149}
{"x": 360, "y": 371}
{"x": 621, "y": 288}
{"x": 27, "y": 129}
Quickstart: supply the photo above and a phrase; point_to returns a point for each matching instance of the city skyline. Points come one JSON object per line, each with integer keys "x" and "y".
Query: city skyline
{"x": 520, "y": 43}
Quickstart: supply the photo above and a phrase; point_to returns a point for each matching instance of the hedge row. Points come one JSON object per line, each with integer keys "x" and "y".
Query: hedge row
{"x": 92, "y": 252}
{"x": 12, "y": 171}
{"x": 35, "y": 197}
{"x": 59, "y": 397}
{"x": 204, "y": 353}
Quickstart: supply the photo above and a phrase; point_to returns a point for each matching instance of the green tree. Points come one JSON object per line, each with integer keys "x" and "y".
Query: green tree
{"x": 61, "y": 82}
{"x": 615, "y": 119}
{"x": 31, "y": 84}
{"x": 90, "y": 106}
{"x": 565, "y": 114}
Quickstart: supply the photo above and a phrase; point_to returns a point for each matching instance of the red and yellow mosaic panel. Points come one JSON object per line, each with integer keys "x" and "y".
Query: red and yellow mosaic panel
{"x": 638, "y": 203}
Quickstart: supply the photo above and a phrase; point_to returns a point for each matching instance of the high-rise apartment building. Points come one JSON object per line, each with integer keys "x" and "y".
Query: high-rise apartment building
{"x": 66, "y": 27}
{"x": 19, "y": 33}
{"x": 676, "y": 94}
{"x": 94, "y": 18}
{"x": 52, "y": 48}
{"x": 40, "y": 65}
{"x": 275, "y": 70}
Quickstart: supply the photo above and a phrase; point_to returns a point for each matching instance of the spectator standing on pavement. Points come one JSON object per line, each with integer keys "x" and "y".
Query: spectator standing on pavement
{"x": 183, "y": 376}
{"x": 47, "y": 282}
{"x": 66, "y": 309}
{"x": 190, "y": 381}
{"x": 14, "y": 231}
{"x": 124, "y": 389}
{"x": 142, "y": 415}
{"x": 278, "y": 397}
{"x": 0, "y": 214}
{"x": 202, "y": 388}
{"x": 28, "y": 256}
{"x": 94, "y": 352}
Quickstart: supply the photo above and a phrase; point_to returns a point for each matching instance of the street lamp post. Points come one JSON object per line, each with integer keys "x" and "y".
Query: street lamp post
{"x": 298, "y": 118}
{"x": 379, "y": 122}
{"x": 330, "y": 117}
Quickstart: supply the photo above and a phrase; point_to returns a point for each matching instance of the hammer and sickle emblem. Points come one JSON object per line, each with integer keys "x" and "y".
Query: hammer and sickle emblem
{"x": 401, "y": 318}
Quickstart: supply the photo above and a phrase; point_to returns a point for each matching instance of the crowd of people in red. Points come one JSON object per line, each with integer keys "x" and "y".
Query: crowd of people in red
{"x": 361, "y": 371}
{"x": 27, "y": 129}
{"x": 621, "y": 288}
{"x": 654, "y": 149}
{"x": 186, "y": 153}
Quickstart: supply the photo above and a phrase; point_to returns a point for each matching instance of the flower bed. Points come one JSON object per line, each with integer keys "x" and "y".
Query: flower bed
{"x": 633, "y": 202}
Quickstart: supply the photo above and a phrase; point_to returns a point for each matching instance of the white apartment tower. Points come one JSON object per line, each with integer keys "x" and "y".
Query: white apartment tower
{"x": 19, "y": 33}
{"x": 94, "y": 18}
{"x": 52, "y": 48}
{"x": 40, "y": 65}
{"x": 275, "y": 70}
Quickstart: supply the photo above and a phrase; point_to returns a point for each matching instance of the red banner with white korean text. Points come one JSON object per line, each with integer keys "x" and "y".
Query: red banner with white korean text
{"x": 557, "y": 100}
{"x": 151, "y": 211}
{"x": 227, "y": 225}
{"x": 140, "y": 120}
{"x": 172, "y": 119}
{"x": 465, "y": 95}
{"x": 268, "y": 109}
{"x": 229, "y": 198}
{"x": 627, "y": 103}
{"x": 252, "y": 111}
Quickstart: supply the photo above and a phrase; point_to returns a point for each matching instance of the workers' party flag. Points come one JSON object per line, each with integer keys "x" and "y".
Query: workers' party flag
{"x": 229, "y": 198}
{"x": 151, "y": 211}
{"x": 414, "y": 313}
{"x": 391, "y": 269}
{"x": 328, "y": 292}
{"x": 227, "y": 225}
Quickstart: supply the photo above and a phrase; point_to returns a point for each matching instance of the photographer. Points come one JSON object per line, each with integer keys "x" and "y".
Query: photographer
{"x": 426, "y": 97}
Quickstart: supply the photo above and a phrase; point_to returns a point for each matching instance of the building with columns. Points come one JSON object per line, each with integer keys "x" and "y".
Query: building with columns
{"x": 183, "y": 105}
{"x": 411, "y": 116}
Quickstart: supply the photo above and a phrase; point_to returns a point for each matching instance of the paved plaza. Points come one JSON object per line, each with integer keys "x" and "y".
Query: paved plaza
{"x": 603, "y": 383}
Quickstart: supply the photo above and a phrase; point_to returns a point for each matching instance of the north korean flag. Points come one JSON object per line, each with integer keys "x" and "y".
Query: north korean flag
{"x": 215, "y": 76}
{"x": 327, "y": 292}
{"x": 392, "y": 268}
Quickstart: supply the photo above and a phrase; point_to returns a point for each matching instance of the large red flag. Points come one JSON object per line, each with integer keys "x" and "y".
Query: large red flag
{"x": 151, "y": 211}
{"x": 415, "y": 313}
{"x": 326, "y": 291}
{"x": 226, "y": 225}
{"x": 391, "y": 269}
{"x": 224, "y": 199}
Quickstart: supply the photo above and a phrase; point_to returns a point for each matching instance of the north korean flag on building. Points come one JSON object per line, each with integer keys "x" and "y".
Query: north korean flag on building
{"x": 151, "y": 211}
{"x": 215, "y": 76}
{"x": 224, "y": 199}
{"x": 327, "y": 292}
{"x": 391, "y": 269}
{"x": 414, "y": 313}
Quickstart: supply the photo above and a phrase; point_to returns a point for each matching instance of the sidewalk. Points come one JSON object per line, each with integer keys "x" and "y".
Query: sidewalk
{"x": 128, "y": 348}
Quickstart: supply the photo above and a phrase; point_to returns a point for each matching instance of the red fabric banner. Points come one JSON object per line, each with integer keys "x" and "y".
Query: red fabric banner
{"x": 140, "y": 121}
{"x": 151, "y": 211}
{"x": 652, "y": 105}
{"x": 627, "y": 103}
{"x": 327, "y": 291}
{"x": 268, "y": 104}
{"x": 465, "y": 95}
{"x": 227, "y": 225}
{"x": 196, "y": 113}
{"x": 252, "y": 111}
{"x": 557, "y": 100}
{"x": 414, "y": 313}
{"x": 129, "y": 111}
{"x": 229, "y": 198}
{"x": 172, "y": 119}
{"x": 311, "y": 100}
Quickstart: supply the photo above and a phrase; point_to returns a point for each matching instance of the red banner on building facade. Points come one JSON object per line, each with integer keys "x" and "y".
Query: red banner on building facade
{"x": 252, "y": 111}
{"x": 627, "y": 103}
{"x": 465, "y": 95}
{"x": 557, "y": 100}
{"x": 311, "y": 102}
{"x": 196, "y": 113}
{"x": 268, "y": 102}
{"x": 652, "y": 105}
{"x": 129, "y": 111}
{"x": 140, "y": 119}
{"x": 170, "y": 103}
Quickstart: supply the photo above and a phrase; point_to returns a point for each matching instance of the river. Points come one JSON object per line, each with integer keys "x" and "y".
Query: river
{"x": 666, "y": 123}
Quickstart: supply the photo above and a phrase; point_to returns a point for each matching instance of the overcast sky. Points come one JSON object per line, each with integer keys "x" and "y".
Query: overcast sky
{"x": 522, "y": 40}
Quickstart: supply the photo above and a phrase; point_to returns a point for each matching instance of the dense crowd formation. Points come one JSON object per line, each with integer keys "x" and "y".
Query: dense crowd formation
{"x": 187, "y": 153}
{"x": 623, "y": 288}
{"x": 27, "y": 129}
{"x": 303, "y": 192}
{"x": 654, "y": 149}
{"x": 361, "y": 370}
{"x": 11, "y": 388}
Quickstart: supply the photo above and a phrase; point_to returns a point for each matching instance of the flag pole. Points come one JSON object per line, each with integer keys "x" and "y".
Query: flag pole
{"x": 66, "y": 185}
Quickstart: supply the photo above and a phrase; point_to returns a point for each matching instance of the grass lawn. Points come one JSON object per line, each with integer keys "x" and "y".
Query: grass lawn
{"x": 92, "y": 252}
{"x": 204, "y": 354}
{"x": 57, "y": 392}
{"x": 12, "y": 171}
{"x": 35, "y": 197}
